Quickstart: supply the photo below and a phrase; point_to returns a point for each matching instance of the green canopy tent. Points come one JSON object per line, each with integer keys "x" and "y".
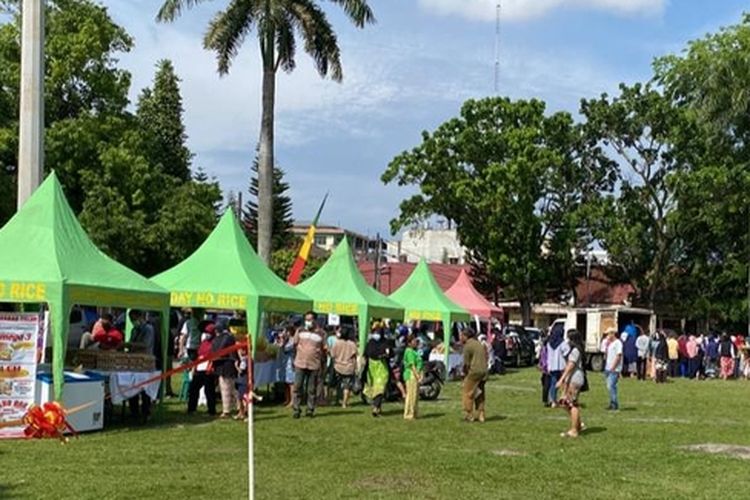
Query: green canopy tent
{"x": 424, "y": 300}
{"x": 226, "y": 273}
{"x": 48, "y": 258}
{"x": 339, "y": 288}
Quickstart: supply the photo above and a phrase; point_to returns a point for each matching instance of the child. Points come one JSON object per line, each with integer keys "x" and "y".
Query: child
{"x": 412, "y": 376}
{"x": 241, "y": 366}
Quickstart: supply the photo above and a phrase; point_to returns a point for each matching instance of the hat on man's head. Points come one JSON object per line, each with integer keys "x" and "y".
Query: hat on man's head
{"x": 611, "y": 330}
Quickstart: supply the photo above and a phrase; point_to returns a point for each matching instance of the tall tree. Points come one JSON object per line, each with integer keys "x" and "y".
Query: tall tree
{"x": 650, "y": 140}
{"x": 709, "y": 80}
{"x": 277, "y": 23}
{"x": 160, "y": 118}
{"x": 512, "y": 179}
{"x": 283, "y": 221}
{"x": 84, "y": 89}
{"x": 130, "y": 206}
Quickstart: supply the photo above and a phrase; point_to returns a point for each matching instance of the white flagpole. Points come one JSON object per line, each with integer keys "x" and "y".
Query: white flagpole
{"x": 31, "y": 119}
{"x": 250, "y": 416}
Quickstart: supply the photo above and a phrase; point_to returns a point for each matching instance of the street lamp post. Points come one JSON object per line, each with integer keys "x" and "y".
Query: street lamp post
{"x": 31, "y": 119}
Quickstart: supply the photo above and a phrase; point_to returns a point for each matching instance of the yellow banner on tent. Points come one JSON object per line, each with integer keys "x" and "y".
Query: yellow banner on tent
{"x": 94, "y": 296}
{"x": 209, "y": 299}
{"x": 423, "y": 316}
{"x": 340, "y": 308}
{"x": 18, "y": 291}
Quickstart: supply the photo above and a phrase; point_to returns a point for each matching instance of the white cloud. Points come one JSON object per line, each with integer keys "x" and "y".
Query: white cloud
{"x": 521, "y": 10}
{"x": 341, "y": 136}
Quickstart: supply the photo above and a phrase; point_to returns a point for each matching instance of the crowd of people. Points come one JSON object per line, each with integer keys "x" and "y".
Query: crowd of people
{"x": 317, "y": 367}
{"x": 634, "y": 354}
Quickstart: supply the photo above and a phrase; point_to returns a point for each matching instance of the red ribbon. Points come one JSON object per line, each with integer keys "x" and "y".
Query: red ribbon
{"x": 49, "y": 420}
{"x": 46, "y": 421}
{"x": 201, "y": 359}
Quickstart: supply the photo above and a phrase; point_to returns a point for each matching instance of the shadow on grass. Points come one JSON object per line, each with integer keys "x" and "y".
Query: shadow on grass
{"x": 495, "y": 418}
{"x": 337, "y": 414}
{"x": 390, "y": 413}
{"x": 6, "y": 491}
{"x": 430, "y": 415}
{"x": 594, "y": 430}
{"x": 263, "y": 418}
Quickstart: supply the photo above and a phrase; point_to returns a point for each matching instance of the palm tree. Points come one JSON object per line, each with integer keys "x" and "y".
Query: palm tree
{"x": 277, "y": 23}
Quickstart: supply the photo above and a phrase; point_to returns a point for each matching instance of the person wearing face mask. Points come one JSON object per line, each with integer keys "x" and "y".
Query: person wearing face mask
{"x": 307, "y": 364}
{"x": 203, "y": 378}
{"x": 376, "y": 354}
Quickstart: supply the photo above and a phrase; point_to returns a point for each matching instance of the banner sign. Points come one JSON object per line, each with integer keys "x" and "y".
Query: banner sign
{"x": 334, "y": 320}
{"x": 22, "y": 292}
{"x": 209, "y": 300}
{"x": 19, "y": 355}
{"x": 340, "y": 308}
{"x": 415, "y": 315}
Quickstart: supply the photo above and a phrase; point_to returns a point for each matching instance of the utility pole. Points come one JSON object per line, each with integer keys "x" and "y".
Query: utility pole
{"x": 588, "y": 279}
{"x": 31, "y": 119}
{"x": 377, "y": 263}
{"x": 497, "y": 49}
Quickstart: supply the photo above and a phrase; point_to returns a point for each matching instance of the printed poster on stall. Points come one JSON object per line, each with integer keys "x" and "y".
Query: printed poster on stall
{"x": 19, "y": 355}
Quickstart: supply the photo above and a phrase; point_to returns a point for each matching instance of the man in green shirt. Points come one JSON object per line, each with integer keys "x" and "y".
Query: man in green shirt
{"x": 475, "y": 376}
{"x": 412, "y": 375}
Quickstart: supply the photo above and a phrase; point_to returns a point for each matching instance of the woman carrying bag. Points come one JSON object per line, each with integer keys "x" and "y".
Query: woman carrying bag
{"x": 573, "y": 382}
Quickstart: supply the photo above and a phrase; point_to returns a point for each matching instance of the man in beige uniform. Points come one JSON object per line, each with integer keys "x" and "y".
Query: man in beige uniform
{"x": 309, "y": 345}
{"x": 475, "y": 375}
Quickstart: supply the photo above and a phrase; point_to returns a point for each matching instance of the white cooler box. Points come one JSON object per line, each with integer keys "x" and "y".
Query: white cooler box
{"x": 80, "y": 389}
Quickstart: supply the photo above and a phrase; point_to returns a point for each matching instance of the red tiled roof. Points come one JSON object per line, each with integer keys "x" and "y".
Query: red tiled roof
{"x": 602, "y": 290}
{"x": 394, "y": 274}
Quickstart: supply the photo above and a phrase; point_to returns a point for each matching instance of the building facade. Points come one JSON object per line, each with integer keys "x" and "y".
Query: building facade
{"x": 328, "y": 237}
{"x": 433, "y": 245}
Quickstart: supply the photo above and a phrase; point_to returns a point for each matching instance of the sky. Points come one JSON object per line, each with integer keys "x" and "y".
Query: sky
{"x": 409, "y": 72}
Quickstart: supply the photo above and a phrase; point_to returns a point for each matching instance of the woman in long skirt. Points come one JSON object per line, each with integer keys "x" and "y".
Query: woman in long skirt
{"x": 727, "y": 351}
{"x": 376, "y": 354}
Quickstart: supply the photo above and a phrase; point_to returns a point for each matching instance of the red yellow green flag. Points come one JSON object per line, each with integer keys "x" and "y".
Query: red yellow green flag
{"x": 304, "y": 252}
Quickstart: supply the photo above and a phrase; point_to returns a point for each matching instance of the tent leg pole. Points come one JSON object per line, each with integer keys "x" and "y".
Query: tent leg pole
{"x": 250, "y": 437}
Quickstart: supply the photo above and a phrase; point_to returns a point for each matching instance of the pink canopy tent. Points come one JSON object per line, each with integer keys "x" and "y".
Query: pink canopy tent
{"x": 463, "y": 293}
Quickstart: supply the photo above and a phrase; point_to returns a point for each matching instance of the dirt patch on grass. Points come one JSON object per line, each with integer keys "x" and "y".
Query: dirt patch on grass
{"x": 508, "y": 453}
{"x": 403, "y": 484}
{"x": 729, "y": 450}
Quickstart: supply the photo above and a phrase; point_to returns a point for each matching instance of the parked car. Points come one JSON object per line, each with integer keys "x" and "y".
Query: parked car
{"x": 536, "y": 336}
{"x": 519, "y": 346}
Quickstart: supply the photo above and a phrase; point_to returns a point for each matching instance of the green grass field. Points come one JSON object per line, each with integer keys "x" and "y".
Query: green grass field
{"x": 634, "y": 453}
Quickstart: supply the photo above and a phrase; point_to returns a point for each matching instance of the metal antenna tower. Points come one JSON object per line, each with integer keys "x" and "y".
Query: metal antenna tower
{"x": 497, "y": 48}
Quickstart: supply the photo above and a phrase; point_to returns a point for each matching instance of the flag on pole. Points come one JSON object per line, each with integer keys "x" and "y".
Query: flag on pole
{"x": 304, "y": 252}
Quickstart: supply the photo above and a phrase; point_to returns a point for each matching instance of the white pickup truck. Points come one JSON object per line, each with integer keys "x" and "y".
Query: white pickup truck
{"x": 594, "y": 321}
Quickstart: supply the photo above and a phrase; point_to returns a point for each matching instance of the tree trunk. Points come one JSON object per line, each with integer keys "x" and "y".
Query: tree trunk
{"x": 265, "y": 153}
{"x": 526, "y": 312}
